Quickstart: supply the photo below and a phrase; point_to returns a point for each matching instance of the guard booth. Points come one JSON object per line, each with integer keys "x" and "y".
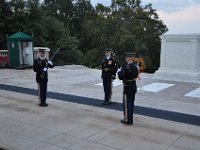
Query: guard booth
{"x": 20, "y": 50}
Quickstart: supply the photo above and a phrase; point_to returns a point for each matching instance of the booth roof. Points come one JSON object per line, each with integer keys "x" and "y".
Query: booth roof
{"x": 20, "y": 36}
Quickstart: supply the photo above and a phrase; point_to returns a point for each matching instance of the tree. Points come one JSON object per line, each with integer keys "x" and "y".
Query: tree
{"x": 5, "y": 14}
{"x": 60, "y": 9}
{"x": 92, "y": 58}
{"x": 138, "y": 30}
{"x": 53, "y": 30}
{"x": 82, "y": 9}
{"x": 34, "y": 26}
{"x": 71, "y": 54}
{"x": 19, "y": 18}
{"x": 84, "y": 31}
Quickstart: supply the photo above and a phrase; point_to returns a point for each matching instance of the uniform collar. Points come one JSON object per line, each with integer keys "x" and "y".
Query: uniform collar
{"x": 42, "y": 58}
{"x": 108, "y": 57}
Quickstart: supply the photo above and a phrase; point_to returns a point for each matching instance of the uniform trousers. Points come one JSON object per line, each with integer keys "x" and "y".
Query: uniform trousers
{"x": 128, "y": 107}
{"x": 107, "y": 84}
{"x": 42, "y": 91}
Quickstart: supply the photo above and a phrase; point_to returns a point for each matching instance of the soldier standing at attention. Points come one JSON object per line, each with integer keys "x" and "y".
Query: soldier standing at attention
{"x": 40, "y": 66}
{"x": 129, "y": 74}
{"x": 109, "y": 69}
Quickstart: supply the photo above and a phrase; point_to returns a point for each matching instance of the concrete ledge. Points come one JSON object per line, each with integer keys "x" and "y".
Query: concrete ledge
{"x": 178, "y": 75}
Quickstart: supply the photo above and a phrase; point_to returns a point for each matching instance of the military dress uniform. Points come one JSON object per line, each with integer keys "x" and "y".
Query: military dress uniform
{"x": 41, "y": 66}
{"x": 128, "y": 74}
{"x": 109, "y": 69}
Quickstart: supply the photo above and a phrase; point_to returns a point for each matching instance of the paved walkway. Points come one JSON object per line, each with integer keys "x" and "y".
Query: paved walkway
{"x": 79, "y": 122}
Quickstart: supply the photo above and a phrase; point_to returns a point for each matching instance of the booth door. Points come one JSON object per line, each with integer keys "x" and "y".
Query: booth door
{"x": 13, "y": 54}
{"x": 27, "y": 53}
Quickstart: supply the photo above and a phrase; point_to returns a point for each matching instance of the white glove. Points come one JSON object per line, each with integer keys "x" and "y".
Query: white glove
{"x": 50, "y": 62}
{"x": 119, "y": 70}
{"x": 45, "y": 69}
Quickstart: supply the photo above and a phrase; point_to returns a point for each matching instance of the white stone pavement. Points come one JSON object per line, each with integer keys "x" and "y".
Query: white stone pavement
{"x": 71, "y": 126}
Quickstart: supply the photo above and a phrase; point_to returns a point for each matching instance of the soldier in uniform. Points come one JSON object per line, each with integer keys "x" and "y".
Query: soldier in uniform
{"x": 109, "y": 69}
{"x": 128, "y": 74}
{"x": 40, "y": 66}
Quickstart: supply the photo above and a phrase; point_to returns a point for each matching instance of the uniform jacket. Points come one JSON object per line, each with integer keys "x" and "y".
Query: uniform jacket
{"x": 38, "y": 66}
{"x": 128, "y": 74}
{"x": 109, "y": 68}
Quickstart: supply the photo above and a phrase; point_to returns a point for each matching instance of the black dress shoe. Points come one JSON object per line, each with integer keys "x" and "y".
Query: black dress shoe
{"x": 103, "y": 103}
{"x": 106, "y": 103}
{"x": 128, "y": 123}
{"x": 43, "y": 105}
{"x": 123, "y": 121}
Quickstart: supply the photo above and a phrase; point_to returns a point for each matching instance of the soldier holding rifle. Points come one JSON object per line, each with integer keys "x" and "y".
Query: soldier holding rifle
{"x": 40, "y": 66}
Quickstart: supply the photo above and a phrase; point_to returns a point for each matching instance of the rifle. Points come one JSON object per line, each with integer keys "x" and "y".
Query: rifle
{"x": 55, "y": 53}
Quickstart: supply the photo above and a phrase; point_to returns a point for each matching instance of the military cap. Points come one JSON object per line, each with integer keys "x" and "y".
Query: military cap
{"x": 108, "y": 50}
{"x": 130, "y": 54}
{"x": 42, "y": 49}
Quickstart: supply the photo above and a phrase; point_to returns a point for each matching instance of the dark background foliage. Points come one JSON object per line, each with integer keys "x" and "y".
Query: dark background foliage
{"x": 84, "y": 31}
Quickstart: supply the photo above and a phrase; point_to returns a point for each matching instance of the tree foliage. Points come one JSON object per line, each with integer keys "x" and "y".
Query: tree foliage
{"x": 84, "y": 31}
{"x": 71, "y": 54}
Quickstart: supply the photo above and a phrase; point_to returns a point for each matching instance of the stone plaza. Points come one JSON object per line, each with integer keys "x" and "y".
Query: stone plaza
{"x": 166, "y": 113}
